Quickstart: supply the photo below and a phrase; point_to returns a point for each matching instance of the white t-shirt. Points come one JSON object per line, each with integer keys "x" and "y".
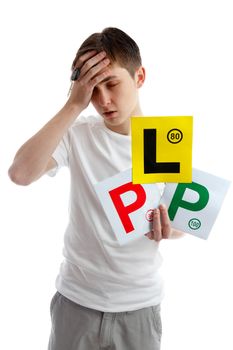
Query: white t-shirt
{"x": 97, "y": 272}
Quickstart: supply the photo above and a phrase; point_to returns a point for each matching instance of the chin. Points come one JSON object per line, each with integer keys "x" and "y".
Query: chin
{"x": 114, "y": 121}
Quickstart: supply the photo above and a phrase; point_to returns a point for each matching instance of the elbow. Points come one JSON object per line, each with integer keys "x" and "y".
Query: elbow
{"x": 18, "y": 177}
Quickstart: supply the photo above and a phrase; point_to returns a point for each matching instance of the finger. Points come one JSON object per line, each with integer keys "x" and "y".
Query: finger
{"x": 150, "y": 235}
{"x": 82, "y": 59}
{"x": 76, "y": 68}
{"x": 96, "y": 70}
{"x": 165, "y": 222}
{"x": 157, "y": 229}
{"x": 99, "y": 77}
{"x": 93, "y": 61}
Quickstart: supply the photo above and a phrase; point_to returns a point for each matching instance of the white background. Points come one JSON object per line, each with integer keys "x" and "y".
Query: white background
{"x": 187, "y": 50}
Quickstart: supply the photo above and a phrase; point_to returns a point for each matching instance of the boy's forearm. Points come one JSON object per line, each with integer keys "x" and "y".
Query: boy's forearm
{"x": 32, "y": 158}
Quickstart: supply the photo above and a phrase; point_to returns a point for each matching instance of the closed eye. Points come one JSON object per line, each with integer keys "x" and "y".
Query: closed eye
{"x": 110, "y": 85}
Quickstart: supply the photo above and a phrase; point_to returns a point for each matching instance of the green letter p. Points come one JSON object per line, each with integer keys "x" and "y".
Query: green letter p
{"x": 178, "y": 202}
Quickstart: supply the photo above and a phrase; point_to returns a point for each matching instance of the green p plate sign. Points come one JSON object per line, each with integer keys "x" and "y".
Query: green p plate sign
{"x": 193, "y": 207}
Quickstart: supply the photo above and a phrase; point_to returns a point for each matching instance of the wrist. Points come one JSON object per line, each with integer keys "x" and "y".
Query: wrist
{"x": 73, "y": 108}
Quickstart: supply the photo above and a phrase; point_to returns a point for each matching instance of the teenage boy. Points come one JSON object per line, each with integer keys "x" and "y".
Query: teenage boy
{"x": 108, "y": 296}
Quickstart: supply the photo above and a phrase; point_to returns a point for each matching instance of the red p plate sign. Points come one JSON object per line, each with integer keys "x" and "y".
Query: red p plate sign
{"x": 128, "y": 205}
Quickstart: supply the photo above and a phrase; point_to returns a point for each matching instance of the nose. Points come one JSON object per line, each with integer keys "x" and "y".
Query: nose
{"x": 103, "y": 98}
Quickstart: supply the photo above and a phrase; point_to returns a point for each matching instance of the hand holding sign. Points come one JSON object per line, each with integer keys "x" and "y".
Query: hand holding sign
{"x": 161, "y": 225}
{"x": 192, "y": 207}
{"x": 161, "y": 152}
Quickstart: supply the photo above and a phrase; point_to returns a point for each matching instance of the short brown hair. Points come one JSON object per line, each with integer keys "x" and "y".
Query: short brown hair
{"x": 118, "y": 45}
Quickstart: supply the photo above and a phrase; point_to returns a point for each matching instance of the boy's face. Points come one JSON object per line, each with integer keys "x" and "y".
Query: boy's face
{"x": 116, "y": 98}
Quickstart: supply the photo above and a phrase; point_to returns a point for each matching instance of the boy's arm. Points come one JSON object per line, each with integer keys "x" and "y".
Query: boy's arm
{"x": 34, "y": 158}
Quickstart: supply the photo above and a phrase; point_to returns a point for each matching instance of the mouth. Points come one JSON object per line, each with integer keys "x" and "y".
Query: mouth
{"x": 110, "y": 114}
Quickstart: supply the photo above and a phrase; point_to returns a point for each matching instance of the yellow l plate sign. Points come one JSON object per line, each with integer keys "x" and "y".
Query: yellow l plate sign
{"x": 162, "y": 149}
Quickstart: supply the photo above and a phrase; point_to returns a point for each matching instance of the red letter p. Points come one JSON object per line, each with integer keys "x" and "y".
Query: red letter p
{"x": 124, "y": 211}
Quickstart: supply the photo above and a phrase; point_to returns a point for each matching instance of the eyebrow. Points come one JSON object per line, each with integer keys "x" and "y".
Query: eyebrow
{"x": 109, "y": 78}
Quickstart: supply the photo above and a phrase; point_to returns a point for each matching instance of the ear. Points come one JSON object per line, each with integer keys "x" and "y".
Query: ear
{"x": 140, "y": 76}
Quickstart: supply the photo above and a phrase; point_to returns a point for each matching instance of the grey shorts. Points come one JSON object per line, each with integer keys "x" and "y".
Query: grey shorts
{"x": 75, "y": 327}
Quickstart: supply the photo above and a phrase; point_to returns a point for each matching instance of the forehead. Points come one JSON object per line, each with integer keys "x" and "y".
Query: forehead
{"x": 116, "y": 72}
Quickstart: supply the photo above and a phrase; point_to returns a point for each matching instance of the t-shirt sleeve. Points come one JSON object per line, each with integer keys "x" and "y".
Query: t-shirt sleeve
{"x": 61, "y": 155}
